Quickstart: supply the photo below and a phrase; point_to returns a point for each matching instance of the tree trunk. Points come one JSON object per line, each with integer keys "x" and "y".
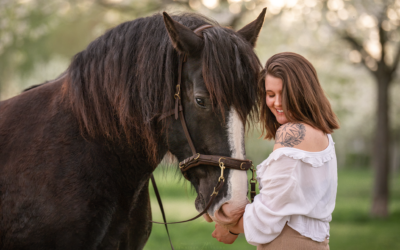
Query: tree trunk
{"x": 381, "y": 158}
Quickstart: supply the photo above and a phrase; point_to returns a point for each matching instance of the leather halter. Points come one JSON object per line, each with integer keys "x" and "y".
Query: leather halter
{"x": 198, "y": 159}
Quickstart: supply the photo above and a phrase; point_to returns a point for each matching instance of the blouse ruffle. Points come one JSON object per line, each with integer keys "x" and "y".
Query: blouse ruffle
{"x": 315, "y": 159}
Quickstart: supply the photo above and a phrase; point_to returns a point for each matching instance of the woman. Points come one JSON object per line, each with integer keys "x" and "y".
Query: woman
{"x": 298, "y": 181}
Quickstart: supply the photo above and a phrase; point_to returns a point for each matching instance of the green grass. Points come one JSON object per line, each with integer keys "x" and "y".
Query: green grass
{"x": 351, "y": 227}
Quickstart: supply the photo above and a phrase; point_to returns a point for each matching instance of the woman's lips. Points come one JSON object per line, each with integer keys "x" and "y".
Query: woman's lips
{"x": 279, "y": 111}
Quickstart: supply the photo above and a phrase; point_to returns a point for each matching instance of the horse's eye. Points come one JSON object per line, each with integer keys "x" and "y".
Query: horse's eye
{"x": 200, "y": 102}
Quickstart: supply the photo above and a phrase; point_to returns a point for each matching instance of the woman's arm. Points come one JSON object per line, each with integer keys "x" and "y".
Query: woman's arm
{"x": 222, "y": 234}
{"x": 238, "y": 228}
{"x": 228, "y": 235}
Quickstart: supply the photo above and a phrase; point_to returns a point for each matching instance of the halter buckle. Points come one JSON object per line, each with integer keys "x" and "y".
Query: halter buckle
{"x": 222, "y": 166}
{"x": 216, "y": 193}
{"x": 178, "y": 91}
{"x": 253, "y": 178}
{"x": 182, "y": 164}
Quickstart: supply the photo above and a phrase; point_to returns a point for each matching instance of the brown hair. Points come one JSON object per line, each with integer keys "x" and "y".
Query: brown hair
{"x": 303, "y": 99}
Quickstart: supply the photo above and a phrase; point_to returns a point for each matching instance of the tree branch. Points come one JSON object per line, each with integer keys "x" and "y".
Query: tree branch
{"x": 235, "y": 20}
{"x": 383, "y": 38}
{"x": 151, "y": 6}
{"x": 118, "y": 7}
{"x": 396, "y": 60}
{"x": 359, "y": 47}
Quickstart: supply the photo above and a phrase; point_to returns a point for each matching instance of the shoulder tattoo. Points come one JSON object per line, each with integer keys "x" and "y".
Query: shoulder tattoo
{"x": 290, "y": 134}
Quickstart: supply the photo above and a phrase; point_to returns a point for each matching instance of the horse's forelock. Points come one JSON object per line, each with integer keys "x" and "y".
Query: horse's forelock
{"x": 230, "y": 71}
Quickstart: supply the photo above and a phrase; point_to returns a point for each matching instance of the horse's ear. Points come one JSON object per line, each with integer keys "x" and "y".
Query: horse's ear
{"x": 183, "y": 39}
{"x": 251, "y": 31}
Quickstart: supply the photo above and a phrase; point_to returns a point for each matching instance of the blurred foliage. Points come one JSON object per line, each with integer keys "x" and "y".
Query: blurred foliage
{"x": 358, "y": 160}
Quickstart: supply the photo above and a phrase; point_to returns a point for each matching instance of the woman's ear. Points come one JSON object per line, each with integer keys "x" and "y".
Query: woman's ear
{"x": 183, "y": 39}
{"x": 251, "y": 31}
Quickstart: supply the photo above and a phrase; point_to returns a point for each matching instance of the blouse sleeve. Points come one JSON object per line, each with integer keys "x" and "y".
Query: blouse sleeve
{"x": 289, "y": 186}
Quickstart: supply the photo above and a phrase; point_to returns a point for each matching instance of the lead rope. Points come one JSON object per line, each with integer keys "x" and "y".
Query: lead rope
{"x": 217, "y": 188}
{"x": 221, "y": 181}
{"x": 153, "y": 181}
{"x": 253, "y": 182}
{"x": 178, "y": 110}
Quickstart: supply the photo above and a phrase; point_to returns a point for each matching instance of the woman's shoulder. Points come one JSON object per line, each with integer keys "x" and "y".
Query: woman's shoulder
{"x": 302, "y": 143}
{"x": 301, "y": 136}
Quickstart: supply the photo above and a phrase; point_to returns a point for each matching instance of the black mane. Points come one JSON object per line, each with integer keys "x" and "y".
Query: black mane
{"x": 126, "y": 78}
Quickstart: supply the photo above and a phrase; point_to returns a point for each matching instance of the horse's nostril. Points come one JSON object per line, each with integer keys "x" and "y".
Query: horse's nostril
{"x": 199, "y": 202}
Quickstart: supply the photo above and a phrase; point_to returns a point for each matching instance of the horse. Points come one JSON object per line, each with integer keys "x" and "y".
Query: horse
{"x": 77, "y": 152}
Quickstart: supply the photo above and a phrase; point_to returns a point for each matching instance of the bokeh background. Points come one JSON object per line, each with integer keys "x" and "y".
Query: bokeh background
{"x": 353, "y": 44}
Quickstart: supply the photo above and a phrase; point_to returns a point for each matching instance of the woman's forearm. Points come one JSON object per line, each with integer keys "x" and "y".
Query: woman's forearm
{"x": 238, "y": 228}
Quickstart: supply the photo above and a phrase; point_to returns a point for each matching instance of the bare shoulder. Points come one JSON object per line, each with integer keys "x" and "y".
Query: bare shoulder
{"x": 290, "y": 134}
{"x": 301, "y": 136}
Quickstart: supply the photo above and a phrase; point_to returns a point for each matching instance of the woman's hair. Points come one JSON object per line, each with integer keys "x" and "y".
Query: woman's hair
{"x": 303, "y": 99}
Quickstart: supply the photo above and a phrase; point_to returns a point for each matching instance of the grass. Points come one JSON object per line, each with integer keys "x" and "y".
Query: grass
{"x": 351, "y": 227}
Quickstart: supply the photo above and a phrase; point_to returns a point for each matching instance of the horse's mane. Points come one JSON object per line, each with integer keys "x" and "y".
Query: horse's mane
{"x": 126, "y": 78}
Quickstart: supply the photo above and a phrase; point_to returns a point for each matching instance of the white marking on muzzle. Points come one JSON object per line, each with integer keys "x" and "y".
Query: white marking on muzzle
{"x": 237, "y": 179}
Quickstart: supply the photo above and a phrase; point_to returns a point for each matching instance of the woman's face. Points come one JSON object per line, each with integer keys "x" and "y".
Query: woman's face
{"x": 273, "y": 88}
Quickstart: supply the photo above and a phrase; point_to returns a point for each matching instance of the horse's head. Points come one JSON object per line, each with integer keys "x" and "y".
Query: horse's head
{"x": 218, "y": 93}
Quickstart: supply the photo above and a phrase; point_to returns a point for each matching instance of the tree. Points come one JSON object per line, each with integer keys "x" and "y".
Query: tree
{"x": 33, "y": 32}
{"x": 371, "y": 28}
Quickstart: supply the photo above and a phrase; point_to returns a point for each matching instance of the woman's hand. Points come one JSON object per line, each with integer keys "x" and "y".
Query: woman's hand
{"x": 222, "y": 234}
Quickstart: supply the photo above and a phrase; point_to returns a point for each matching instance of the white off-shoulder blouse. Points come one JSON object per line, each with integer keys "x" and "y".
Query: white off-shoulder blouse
{"x": 297, "y": 187}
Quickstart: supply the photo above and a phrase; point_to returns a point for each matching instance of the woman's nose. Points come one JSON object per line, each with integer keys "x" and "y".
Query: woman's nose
{"x": 278, "y": 101}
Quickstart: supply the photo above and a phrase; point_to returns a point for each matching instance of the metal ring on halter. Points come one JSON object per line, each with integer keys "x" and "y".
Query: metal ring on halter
{"x": 198, "y": 156}
{"x": 221, "y": 163}
{"x": 241, "y": 166}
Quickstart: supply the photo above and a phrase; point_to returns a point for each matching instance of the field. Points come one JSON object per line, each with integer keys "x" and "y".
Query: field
{"x": 351, "y": 228}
